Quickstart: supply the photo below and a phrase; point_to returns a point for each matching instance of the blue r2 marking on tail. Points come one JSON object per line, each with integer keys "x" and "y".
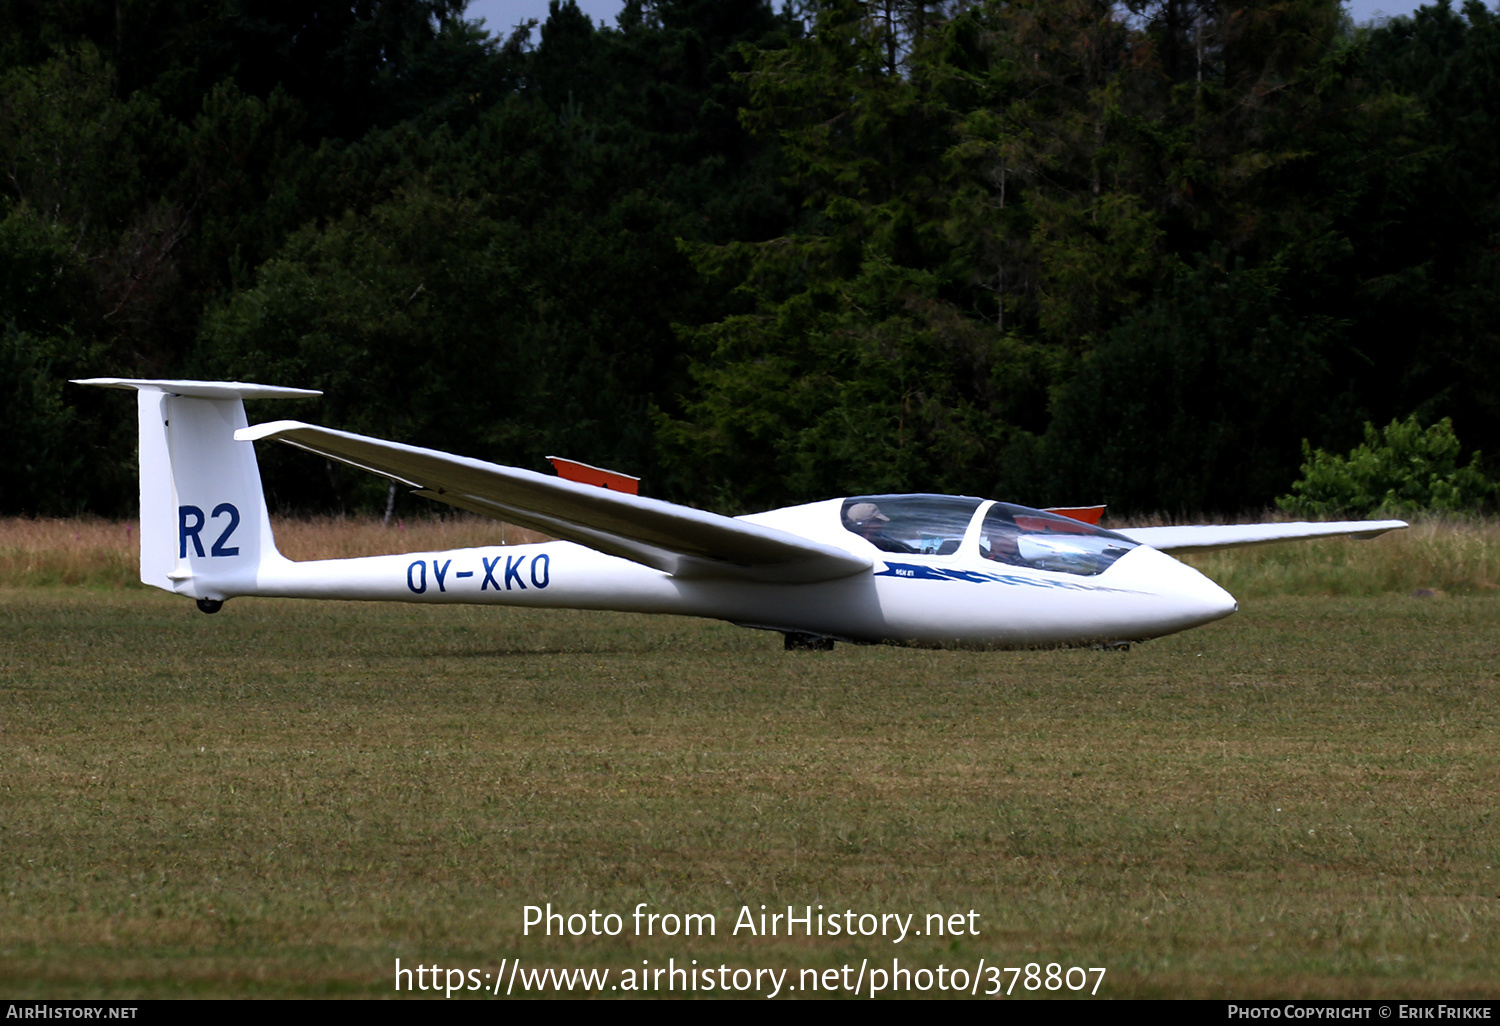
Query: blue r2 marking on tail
{"x": 186, "y": 530}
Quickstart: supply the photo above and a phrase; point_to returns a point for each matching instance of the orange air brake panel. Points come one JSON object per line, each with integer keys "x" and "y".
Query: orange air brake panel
{"x": 571, "y": 470}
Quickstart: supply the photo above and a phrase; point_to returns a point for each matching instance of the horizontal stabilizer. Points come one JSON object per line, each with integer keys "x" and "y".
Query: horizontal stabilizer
{"x": 1229, "y": 536}
{"x": 202, "y": 389}
{"x": 675, "y": 539}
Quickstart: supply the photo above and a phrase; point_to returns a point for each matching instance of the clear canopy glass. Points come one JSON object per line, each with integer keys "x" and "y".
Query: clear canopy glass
{"x": 930, "y": 525}
{"x": 935, "y": 525}
{"x": 1032, "y": 537}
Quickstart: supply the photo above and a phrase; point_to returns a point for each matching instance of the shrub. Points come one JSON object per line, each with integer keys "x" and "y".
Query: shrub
{"x": 1401, "y": 469}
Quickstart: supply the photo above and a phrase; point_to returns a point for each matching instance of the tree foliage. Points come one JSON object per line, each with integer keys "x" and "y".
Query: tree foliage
{"x": 1050, "y": 250}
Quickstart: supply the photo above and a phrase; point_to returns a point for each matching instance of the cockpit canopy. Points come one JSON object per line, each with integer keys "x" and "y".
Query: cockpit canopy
{"x": 927, "y": 525}
{"x": 936, "y": 525}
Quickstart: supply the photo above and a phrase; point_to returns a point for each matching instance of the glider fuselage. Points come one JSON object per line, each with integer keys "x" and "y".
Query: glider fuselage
{"x": 960, "y": 598}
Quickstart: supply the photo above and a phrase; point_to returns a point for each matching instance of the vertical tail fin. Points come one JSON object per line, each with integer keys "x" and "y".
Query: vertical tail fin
{"x": 205, "y": 531}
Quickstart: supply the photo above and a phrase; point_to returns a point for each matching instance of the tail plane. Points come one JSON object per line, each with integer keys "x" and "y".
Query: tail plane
{"x": 205, "y": 531}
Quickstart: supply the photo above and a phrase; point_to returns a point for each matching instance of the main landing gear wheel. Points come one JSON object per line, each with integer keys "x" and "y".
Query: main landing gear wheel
{"x": 210, "y": 605}
{"x": 799, "y": 642}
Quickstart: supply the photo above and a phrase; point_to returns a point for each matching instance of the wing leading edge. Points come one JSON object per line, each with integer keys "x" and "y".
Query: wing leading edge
{"x": 676, "y": 539}
{"x": 1229, "y": 536}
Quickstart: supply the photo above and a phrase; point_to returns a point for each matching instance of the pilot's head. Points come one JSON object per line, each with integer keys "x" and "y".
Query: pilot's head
{"x": 866, "y": 518}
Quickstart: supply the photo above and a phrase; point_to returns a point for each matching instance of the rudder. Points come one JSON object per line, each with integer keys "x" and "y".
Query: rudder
{"x": 205, "y": 530}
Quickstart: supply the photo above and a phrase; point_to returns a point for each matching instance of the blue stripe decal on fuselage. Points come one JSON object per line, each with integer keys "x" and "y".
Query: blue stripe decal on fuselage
{"x": 922, "y": 572}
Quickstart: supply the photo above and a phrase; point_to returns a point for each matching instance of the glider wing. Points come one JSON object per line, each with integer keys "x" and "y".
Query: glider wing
{"x": 1230, "y": 536}
{"x": 675, "y": 539}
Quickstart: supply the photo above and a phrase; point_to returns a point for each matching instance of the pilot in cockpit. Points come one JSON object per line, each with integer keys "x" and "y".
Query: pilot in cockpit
{"x": 866, "y": 520}
{"x": 999, "y": 540}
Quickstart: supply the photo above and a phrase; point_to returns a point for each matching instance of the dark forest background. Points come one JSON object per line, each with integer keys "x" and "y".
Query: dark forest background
{"x": 1054, "y": 251}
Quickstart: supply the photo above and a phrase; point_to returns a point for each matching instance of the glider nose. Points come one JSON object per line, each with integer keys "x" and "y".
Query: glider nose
{"x": 1206, "y": 599}
{"x": 1183, "y": 597}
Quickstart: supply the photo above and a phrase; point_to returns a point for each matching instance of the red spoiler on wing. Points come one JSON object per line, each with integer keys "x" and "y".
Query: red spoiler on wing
{"x": 572, "y": 470}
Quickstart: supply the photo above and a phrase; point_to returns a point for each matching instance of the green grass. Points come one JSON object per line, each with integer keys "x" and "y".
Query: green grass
{"x": 282, "y": 799}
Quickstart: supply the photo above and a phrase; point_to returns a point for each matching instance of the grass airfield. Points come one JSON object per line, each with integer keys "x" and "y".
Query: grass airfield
{"x": 282, "y": 799}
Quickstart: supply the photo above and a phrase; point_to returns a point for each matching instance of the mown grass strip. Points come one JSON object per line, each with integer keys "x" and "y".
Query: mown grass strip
{"x": 283, "y": 798}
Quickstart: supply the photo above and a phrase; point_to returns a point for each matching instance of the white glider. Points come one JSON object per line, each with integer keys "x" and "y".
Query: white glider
{"x": 910, "y": 569}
